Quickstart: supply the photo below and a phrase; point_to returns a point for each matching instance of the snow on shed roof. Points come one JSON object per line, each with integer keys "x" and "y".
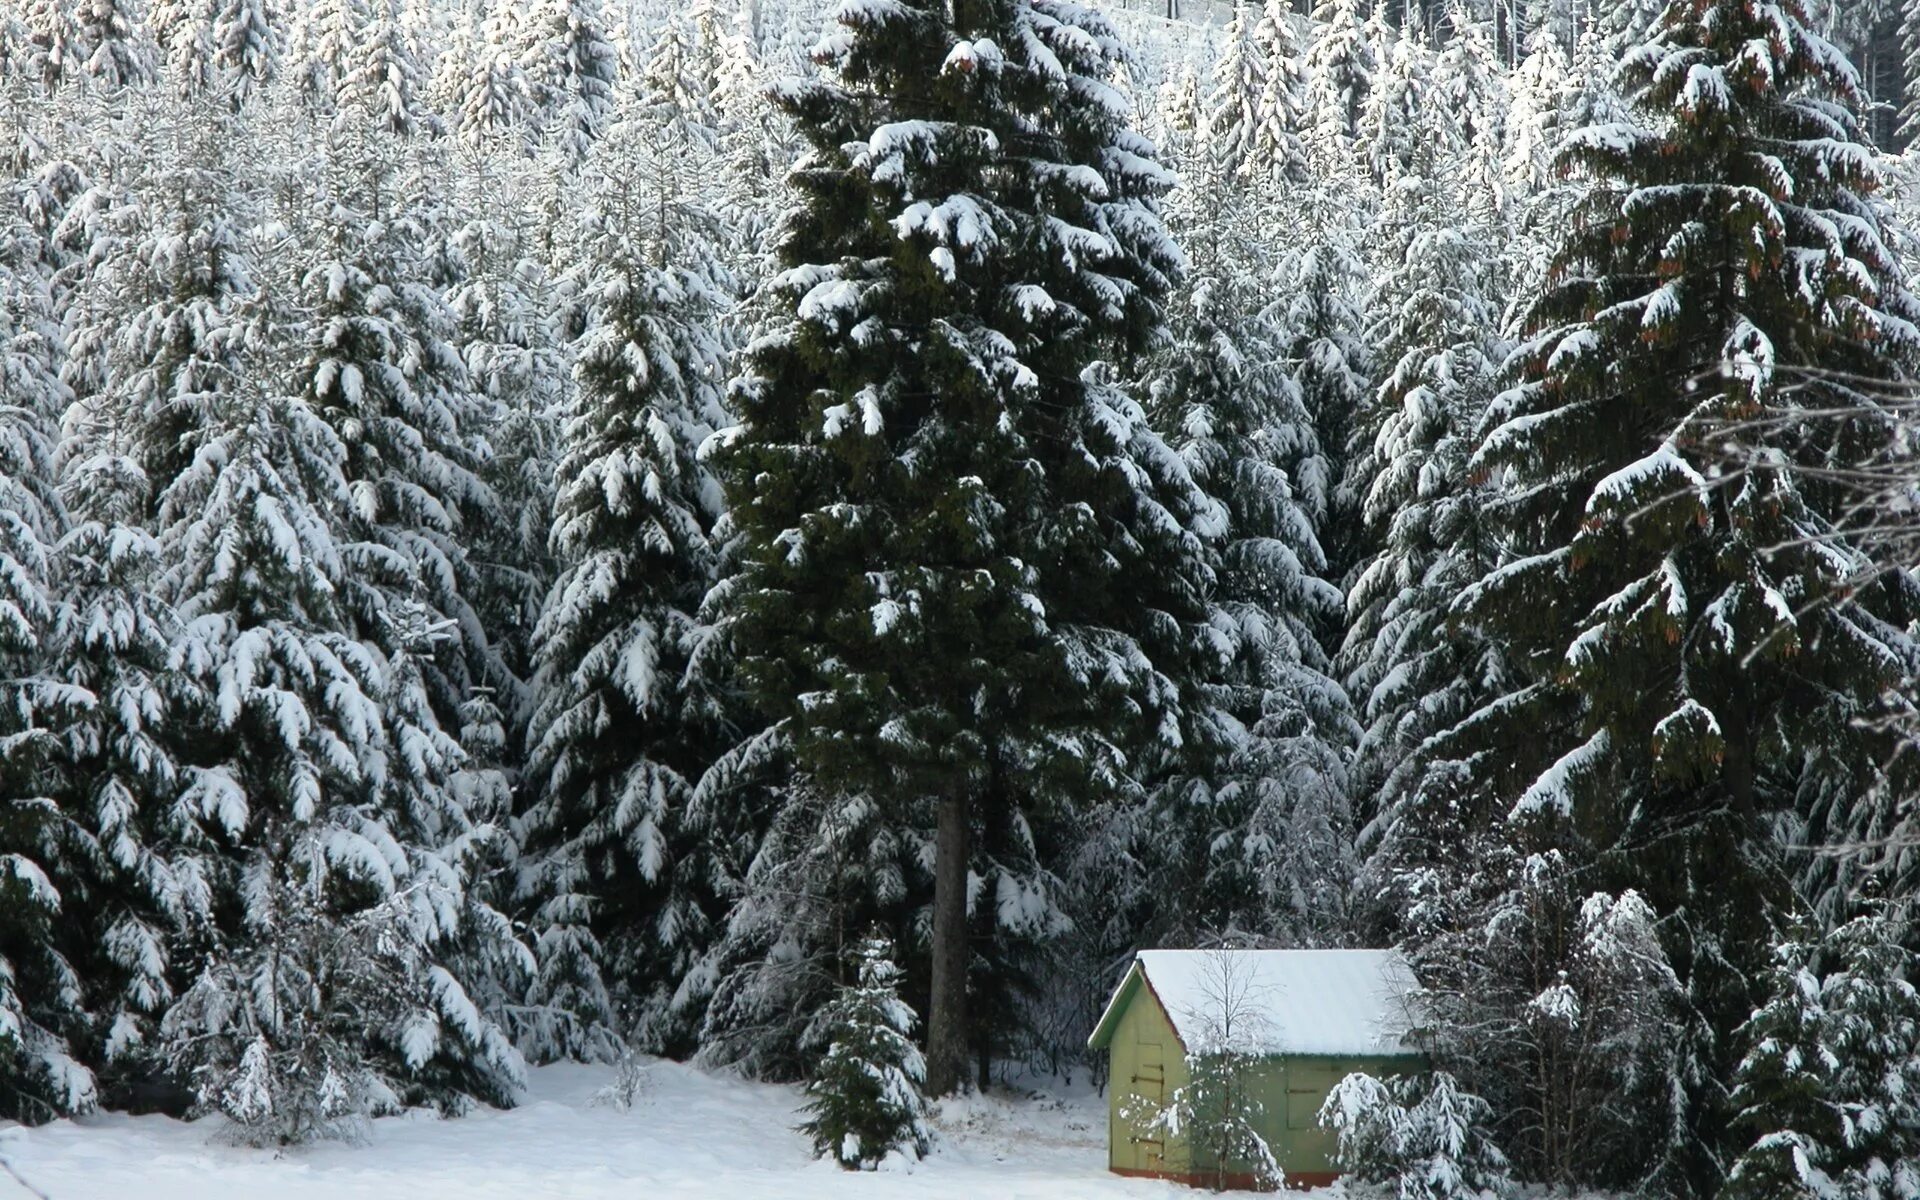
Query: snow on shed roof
{"x": 1333, "y": 1002}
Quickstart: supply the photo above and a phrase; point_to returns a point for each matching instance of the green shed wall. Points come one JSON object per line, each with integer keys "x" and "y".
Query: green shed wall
{"x": 1148, "y": 1064}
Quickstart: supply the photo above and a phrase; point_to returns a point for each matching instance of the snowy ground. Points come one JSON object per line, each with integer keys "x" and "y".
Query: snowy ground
{"x": 689, "y": 1134}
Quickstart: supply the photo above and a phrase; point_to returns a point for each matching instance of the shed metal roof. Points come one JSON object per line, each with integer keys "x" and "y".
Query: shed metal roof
{"x": 1318, "y": 1002}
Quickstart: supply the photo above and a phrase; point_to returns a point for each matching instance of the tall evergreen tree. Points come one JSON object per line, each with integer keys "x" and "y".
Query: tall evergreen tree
{"x": 327, "y": 984}
{"x": 1696, "y": 656}
{"x": 42, "y": 994}
{"x": 629, "y": 712}
{"x": 1260, "y": 796}
{"x": 381, "y": 368}
{"x": 1433, "y": 315}
{"x": 973, "y": 576}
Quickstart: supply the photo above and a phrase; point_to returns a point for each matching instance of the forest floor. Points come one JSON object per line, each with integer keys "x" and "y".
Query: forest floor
{"x": 688, "y": 1134}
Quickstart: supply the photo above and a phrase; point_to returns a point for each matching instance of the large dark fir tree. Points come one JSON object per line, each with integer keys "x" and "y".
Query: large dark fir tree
{"x": 974, "y": 576}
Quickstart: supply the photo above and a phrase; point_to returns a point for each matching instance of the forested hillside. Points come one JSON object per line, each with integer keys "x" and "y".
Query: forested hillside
{"x": 545, "y": 530}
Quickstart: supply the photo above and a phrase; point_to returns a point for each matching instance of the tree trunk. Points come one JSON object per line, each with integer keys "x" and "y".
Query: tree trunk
{"x": 947, "y": 1014}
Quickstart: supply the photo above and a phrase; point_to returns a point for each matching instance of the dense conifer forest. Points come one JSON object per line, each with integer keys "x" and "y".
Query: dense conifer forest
{"x": 798, "y": 536}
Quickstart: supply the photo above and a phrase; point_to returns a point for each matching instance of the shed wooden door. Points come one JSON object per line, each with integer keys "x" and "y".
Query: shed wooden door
{"x": 1149, "y": 1082}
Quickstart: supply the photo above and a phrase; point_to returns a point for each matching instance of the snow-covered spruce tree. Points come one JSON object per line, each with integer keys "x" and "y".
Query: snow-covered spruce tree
{"x": 1398, "y": 118}
{"x": 507, "y": 306}
{"x": 247, "y": 41}
{"x": 183, "y": 37}
{"x": 1556, "y": 21}
{"x": 1910, "y": 46}
{"x": 1694, "y": 657}
{"x": 1829, "y": 1090}
{"x": 1339, "y": 69}
{"x": 1470, "y": 96}
{"x": 1626, "y": 25}
{"x": 569, "y": 64}
{"x": 479, "y": 86}
{"x": 384, "y": 81}
{"x": 1536, "y": 92}
{"x": 1231, "y": 111}
{"x": 320, "y": 49}
{"x": 1281, "y": 111}
{"x": 1419, "y": 1133}
{"x": 972, "y": 582}
{"x": 628, "y": 712}
{"x": 117, "y": 50}
{"x": 319, "y": 996}
{"x": 1322, "y": 323}
{"x": 1434, "y": 311}
{"x": 1260, "y": 796}
{"x": 1177, "y": 111}
{"x": 380, "y": 367}
{"x": 755, "y": 144}
{"x": 338, "y": 883}
{"x": 42, "y": 1011}
{"x": 864, "y": 1102}
{"x": 147, "y": 858}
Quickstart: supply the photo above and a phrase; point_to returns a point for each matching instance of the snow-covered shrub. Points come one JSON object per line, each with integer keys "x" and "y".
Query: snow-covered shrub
{"x": 865, "y": 1099}
{"x": 629, "y": 1081}
{"x": 1420, "y": 1134}
{"x": 325, "y": 1021}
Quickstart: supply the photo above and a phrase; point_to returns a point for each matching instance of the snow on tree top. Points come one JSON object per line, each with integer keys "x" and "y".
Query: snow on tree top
{"x": 1331, "y": 1002}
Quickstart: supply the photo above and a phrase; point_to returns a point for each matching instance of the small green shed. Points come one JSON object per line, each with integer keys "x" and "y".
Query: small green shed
{"x": 1313, "y": 1017}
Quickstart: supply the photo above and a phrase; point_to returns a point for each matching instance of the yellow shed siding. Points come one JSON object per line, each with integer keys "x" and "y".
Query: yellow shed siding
{"x": 1148, "y": 1063}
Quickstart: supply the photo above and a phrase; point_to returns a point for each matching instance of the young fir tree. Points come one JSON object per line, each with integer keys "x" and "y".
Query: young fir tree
{"x": 247, "y": 40}
{"x": 384, "y": 81}
{"x": 1829, "y": 1090}
{"x": 864, "y": 1100}
{"x": 479, "y": 86}
{"x": 337, "y": 883}
{"x": 973, "y": 575}
{"x": 184, "y": 37}
{"x": 1470, "y": 94}
{"x": 1322, "y": 327}
{"x": 380, "y": 367}
{"x": 147, "y": 858}
{"x": 1398, "y": 118}
{"x": 507, "y": 306}
{"x": 1281, "y": 112}
{"x": 628, "y": 708}
{"x": 1695, "y": 655}
{"x": 1422, "y": 1134}
{"x": 116, "y": 49}
{"x": 1910, "y": 64}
